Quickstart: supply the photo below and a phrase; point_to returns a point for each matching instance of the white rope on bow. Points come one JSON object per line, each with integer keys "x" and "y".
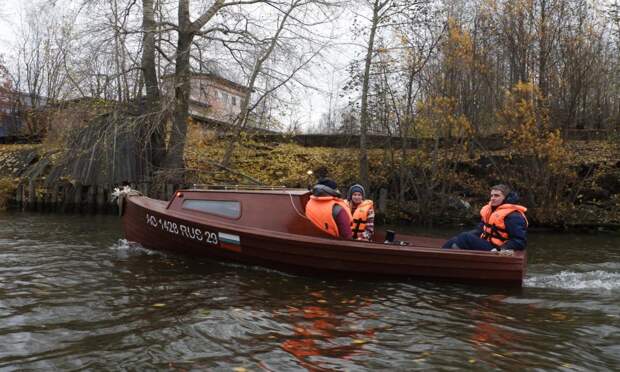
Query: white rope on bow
{"x": 119, "y": 195}
{"x": 294, "y": 207}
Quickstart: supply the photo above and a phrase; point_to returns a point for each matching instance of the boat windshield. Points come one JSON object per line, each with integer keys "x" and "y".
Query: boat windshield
{"x": 223, "y": 208}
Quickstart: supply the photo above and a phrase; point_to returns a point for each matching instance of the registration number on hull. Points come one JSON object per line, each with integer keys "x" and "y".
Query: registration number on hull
{"x": 193, "y": 233}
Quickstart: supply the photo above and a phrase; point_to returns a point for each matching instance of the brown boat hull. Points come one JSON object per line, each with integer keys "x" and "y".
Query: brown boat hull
{"x": 151, "y": 224}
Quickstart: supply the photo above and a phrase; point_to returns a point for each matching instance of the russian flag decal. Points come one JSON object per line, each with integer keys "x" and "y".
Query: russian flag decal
{"x": 230, "y": 242}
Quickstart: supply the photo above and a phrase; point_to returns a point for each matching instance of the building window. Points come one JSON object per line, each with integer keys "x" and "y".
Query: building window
{"x": 203, "y": 92}
{"x": 234, "y": 100}
{"x": 223, "y": 208}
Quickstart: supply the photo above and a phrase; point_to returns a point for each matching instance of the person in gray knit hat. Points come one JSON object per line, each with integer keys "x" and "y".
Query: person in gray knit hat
{"x": 363, "y": 224}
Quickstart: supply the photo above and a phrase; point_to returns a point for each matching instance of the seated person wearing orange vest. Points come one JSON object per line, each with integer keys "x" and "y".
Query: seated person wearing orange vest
{"x": 328, "y": 211}
{"x": 503, "y": 225}
{"x": 363, "y": 224}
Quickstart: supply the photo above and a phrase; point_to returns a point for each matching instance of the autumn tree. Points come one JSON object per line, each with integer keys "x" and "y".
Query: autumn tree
{"x": 542, "y": 161}
{"x": 214, "y": 24}
{"x": 384, "y": 17}
{"x": 432, "y": 168}
{"x": 39, "y": 72}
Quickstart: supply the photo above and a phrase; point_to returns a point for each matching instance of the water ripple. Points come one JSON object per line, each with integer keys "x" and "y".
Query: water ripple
{"x": 596, "y": 280}
{"x": 75, "y": 296}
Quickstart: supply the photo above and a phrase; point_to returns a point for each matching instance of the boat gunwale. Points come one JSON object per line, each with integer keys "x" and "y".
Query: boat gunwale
{"x": 295, "y": 192}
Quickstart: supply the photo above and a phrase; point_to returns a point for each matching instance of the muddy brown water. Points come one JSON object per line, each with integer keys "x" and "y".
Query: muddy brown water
{"x": 74, "y": 295}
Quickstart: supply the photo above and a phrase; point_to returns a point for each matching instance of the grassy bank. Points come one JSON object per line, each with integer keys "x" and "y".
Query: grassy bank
{"x": 446, "y": 186}
{"x": 582, "y": 190}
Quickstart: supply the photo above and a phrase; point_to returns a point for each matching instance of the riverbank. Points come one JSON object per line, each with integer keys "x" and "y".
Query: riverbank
{"x": 438, "y": 192}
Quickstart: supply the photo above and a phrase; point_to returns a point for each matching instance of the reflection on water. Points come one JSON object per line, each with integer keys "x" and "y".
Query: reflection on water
{"x": 74, "y": 295}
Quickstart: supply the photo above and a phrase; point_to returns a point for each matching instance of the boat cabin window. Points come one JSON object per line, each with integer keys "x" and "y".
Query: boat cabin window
{"x": 224, "y": 208}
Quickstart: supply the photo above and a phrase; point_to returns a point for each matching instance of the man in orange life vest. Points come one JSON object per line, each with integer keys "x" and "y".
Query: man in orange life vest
{"x": 363, "y": 224}
{"x": 503, "y": 225}
{"x": 328, "y": 211}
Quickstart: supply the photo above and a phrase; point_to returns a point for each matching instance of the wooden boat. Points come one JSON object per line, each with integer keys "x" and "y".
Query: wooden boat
{"x": 269, "y": 228}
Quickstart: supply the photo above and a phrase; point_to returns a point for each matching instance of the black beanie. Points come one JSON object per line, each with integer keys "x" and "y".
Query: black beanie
{"x": 329, "y": 183}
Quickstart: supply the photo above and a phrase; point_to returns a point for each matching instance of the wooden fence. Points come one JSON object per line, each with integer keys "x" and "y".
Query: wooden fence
{"x": 66, "y": 197}
{"x": 69, "y": 197}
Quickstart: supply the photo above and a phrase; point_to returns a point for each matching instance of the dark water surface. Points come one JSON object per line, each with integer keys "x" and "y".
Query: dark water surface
{"x": 73, "y": 296}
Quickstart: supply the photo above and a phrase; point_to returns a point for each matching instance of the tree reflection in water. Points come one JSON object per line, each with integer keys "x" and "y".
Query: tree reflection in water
{"x": 319, "y": 331}
{"x": 490, "y": 335}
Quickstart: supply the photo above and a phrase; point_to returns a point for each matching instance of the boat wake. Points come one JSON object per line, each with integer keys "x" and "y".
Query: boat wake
{"x": 586, "y": 280}
{"x": 127, "y": 248}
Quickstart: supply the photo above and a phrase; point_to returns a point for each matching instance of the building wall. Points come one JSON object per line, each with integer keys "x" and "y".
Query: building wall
{"x": 212, "y": 99}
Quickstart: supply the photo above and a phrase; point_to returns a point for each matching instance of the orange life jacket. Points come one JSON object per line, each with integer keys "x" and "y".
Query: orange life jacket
{"x": 319, "y": 211}
{"x": 494, "y": 229}
{"x": 360, "y": 217}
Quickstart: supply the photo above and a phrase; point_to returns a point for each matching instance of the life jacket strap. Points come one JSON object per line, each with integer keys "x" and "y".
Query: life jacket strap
{"x": 495, "y": 228}
{"x": 493, "y": 234}
{"x": 356, "y": 228}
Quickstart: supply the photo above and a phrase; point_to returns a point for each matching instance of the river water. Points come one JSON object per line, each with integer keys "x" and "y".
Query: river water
{"x": 74, "y": 295}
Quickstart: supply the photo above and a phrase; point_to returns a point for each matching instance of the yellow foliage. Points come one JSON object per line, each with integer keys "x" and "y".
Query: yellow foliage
{"x": 545, "y": 164}
{"x": 458, "y": 46}
{"x": 525, "y": 119}
{"x": 437, "y": 118}
{"x": 280, "y": 164}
